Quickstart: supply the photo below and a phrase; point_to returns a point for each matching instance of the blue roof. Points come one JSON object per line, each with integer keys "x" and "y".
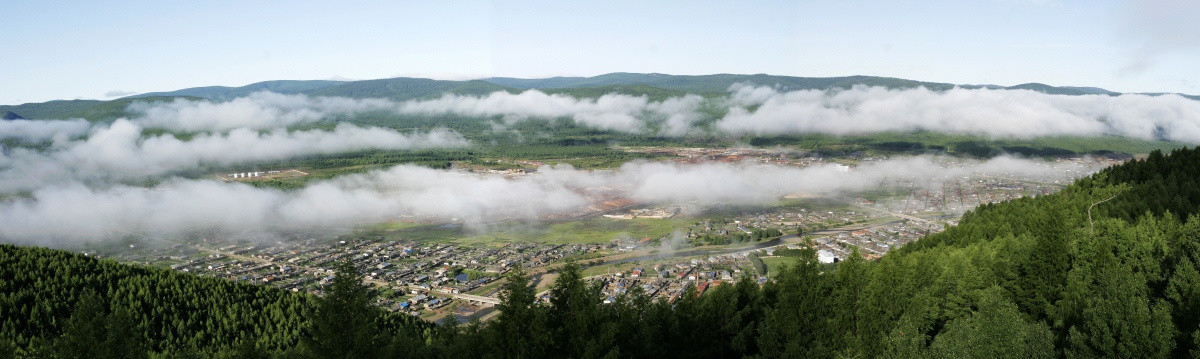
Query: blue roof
{"x": 461, "y": 277}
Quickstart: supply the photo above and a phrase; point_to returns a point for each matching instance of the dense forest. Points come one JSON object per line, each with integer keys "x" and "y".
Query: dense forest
{"x": 1108, "y": 267}
{"x": 55, "y": 303}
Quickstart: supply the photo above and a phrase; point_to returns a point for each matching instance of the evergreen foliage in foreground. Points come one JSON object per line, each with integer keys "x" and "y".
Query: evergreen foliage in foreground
{"x": 1106, "y": 268}
{"x": 54, "y": 301}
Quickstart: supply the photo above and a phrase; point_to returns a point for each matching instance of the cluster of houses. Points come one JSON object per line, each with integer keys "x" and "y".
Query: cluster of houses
{"x": 669, "y": 279}
{"x": 874, "y": 241}
{"x": 423, "y": 278}
{"x": 785, "y": 220}
{"x": 664, "y": 212}
{"x": 418, "y": 277}
{"x": 776, "y": 156}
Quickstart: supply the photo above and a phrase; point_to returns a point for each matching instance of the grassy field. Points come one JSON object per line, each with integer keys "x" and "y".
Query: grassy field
{"x": 623, "y": 267}
{"x": 776, "y": 264}
{"x": 783, "y": 204}
{"x": 602, "y": 230}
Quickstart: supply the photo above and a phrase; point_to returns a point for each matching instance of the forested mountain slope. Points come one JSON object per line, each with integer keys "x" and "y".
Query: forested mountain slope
{"x": 224, "y": 93}
{"x": 164, "y": 311}
{"x": 715, "y": 84}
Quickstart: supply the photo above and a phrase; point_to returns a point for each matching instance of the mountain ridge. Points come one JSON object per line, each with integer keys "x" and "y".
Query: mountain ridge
{"x": 653, "y": 84}
{"x": 713, "y": 83}
{"x": 228, "y": 93}
{"x": 9, "y": 115}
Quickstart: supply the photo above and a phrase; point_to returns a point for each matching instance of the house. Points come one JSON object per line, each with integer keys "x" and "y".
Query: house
{"x": 825, "y": 256}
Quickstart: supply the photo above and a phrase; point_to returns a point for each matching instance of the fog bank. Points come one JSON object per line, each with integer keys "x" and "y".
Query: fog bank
{"x": 754, "y": 110}
{"x": 995, "y": 113}
{"x": 120, "y": 152}
{"x": 260, "y": 110}
{"x": 43, "y": 130}
{"x": 74, "y": 212}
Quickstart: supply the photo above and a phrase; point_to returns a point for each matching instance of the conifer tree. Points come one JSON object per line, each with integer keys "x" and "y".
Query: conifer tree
{"x": 344, "y": 323}
{"x": 85, "y": 330}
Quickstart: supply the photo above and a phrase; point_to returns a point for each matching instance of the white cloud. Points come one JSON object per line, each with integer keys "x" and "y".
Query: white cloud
{"x": 77, "y": 212}
{"x": 751, "y": 110}
{"x": 119, "y": 152}
{"x": 260, "y": 110}
{"x": 43, "y": 130}
{"x": 616, "y": 112}
{"x": 118, "y": 93}
{"x": 996, "y": 113}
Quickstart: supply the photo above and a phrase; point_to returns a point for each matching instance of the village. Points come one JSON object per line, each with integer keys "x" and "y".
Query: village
{"x": 435, "y": 280}
{"x": 449, "y": 279}
{"x": 423, "y": 279}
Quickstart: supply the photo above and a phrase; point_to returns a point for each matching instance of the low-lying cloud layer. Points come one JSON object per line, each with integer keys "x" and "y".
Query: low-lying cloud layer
{"x": 616, "y": 112}
{"x": 76, "y": 212}
{"x": 43, "y": 130}
{"x": 858, "y": 110}
{"x": 120, "y": 152}
{"x": 996, "y": 113}
{"x": 260, "y": 110}
{"x": 748, "y": 110}
{"x": 77, "y": 183}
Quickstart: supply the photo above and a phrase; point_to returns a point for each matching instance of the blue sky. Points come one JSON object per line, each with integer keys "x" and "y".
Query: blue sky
{"x": 88, "y": 49}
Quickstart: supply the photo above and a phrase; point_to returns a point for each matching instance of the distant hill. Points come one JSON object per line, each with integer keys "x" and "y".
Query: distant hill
{"x": 93, "y": 110}
{"x": 56, "y": 109}
{"x": 718, "y": 83}
{"x": 404, "y": 88}
{"x": 653, "y": 85}
{"x": 223, "y": 93}
{"x": 400, "y": 88}
{"x": 651, "y": 92}
{"x": 1072, "y": 91}
{"x": 1091, "y": 90}
{"x": 12, "y": 116}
